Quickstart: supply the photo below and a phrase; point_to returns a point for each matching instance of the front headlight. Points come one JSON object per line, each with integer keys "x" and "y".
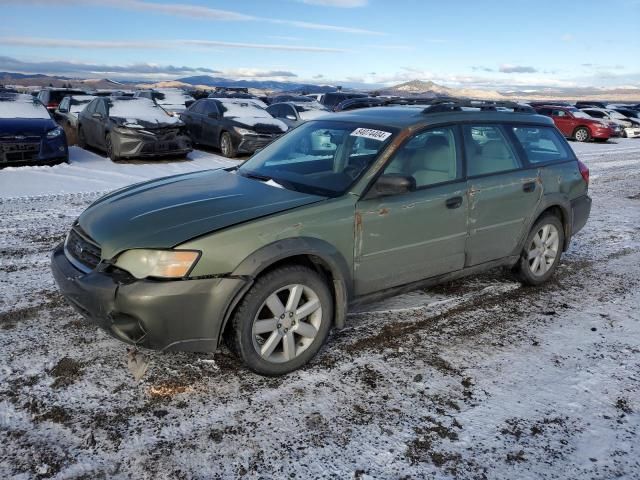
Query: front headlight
{"x": 243, "y": 131}
{"x": 55, "y": 133}
{"x": 143, "y": 263}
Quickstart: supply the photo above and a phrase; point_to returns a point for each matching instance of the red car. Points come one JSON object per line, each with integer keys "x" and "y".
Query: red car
{"x": 576, "y": 124}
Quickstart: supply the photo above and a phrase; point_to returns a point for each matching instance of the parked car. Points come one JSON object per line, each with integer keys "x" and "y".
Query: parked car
{"x": 173, "y": 100}
{"x": 632, "y": 115}
{"x": 290, "y": 98}
{"x": 28, "y": 134}
{"x": 546, "y": 103}
{"x": 588, "y": 103}
{"x": 51, "y": 97}
{"x": 315, "y": 96}
{"x": 110, "y": 92}
{"x": 271, "y": 254}
{"x": 67, "y": 114}
{"x": 129, "y": 127}
{"x": 363, "y": 102}
{"x": 623, "y": 126}
{"x": 240, "y": 96}
{"x": 576, "y": 124}
{"x": 234, "y": 125}
{"x": 294, "y": 113}
{"x": 331, "y": 99}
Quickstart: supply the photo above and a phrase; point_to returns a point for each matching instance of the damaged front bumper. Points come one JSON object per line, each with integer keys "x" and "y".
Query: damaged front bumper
{"x": 131, "y": 143}
{"x": 176, "y": 315}
{"x": 249, "y": 143}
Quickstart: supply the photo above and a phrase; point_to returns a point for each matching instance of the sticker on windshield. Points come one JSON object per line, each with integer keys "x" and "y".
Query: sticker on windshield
{"x": 372, "y": 134}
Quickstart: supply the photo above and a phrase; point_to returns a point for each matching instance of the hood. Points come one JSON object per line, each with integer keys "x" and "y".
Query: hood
{"x": 25, "y": 126}
{"x": 168, "y": 211}
{"x": 260, "y": 124}
{"x": 146, "y": 124}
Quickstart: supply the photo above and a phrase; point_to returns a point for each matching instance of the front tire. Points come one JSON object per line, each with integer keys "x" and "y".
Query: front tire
{"x": 226, "y": 145}
{"x": 542, "y": 251}
{"x": 283, "y": 320}
{"x": 582, "y": 134}
{"x": 110, "y": 150}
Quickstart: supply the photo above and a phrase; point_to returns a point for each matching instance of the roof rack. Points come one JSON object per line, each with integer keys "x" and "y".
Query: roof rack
{"x": 439, "y": 105}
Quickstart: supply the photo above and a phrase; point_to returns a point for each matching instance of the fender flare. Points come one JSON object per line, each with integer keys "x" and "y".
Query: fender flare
{"x": 547, "y": 201}
{"x": 325, "y": 254}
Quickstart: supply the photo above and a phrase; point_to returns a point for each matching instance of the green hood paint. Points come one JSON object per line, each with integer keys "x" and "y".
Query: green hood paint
{"x": 165, "y": 212}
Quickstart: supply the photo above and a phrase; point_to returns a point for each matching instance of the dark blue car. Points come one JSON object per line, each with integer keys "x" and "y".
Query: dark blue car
{"x": 28, "y": 134}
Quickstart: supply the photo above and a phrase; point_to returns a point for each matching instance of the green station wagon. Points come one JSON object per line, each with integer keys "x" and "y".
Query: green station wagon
{"x": 346, "y": 209}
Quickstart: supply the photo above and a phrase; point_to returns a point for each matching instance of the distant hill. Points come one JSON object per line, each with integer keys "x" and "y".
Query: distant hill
{"x": 210, "y": 81}
{"x": 430, "y": 89}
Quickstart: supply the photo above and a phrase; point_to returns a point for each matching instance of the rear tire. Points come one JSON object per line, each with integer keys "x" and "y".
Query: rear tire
{"x": 226, "y": 145}
{"x": 542, "y": 251}
{"x": 282, "y": 321}
{"x": 582, "y": 134}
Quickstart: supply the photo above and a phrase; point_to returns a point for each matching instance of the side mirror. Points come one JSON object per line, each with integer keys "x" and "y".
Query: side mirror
{"x": 392, "y": 184}
{"x": 96, "y": 115}
{"x": 290, "y": 117}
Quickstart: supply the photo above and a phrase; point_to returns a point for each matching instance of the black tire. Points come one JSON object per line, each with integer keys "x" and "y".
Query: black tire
{"x": 226, "y": 145}
{"x": 582, "y": 134}
{"x": 109, "y": 146}
{"x": 82, "y": 141}
{"x": 524, "y": 269}
{"x": 244, "y": 341}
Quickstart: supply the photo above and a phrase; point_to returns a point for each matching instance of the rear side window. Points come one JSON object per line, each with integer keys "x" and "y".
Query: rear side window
{"x": 542, "y": 144}
{"x": 488, "y": 150}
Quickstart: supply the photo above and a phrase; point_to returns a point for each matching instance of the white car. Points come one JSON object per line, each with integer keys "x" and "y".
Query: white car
{"x": 623, "y": 126}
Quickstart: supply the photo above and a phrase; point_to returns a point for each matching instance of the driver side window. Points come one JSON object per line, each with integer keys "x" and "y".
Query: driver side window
{"x": 430, "y": 157}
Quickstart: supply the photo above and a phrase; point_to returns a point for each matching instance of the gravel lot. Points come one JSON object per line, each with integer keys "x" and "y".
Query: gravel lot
{"x": 481, "y": 378}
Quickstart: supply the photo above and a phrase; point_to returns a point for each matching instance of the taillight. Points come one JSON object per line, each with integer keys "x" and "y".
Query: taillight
{"x": 52, "y": 105}
{"x": 584, "y": 171}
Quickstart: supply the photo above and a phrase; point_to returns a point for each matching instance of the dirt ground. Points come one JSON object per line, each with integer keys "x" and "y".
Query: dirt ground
{"x": 481, "y": 378}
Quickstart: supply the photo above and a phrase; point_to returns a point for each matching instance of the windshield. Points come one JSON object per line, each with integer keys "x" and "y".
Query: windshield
{"x": 243, "y": 108}
{"x": 580, "y": 114}
{"x": 79, "y": 102}
{"x": 321, "y": 157}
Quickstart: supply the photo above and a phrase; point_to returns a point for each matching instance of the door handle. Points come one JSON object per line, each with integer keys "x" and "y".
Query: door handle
{"x": 454, "y": 202}
{"x": 529, "y": 186}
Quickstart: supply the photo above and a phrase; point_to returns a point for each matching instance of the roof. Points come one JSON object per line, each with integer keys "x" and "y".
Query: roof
{"x": 405, "y": 116}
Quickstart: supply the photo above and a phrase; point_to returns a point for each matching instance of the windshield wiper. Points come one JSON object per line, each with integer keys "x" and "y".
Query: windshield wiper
{"x": 257, "y": 176}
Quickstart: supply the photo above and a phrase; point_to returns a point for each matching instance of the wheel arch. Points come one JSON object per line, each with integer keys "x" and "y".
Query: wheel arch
{"x": 312, "y": 252}
{"x": 559, "y": 206}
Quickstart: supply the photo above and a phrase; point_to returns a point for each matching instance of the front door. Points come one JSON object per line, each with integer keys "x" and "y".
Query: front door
{"x": 408, "y": 237}
{"x": 502, "y": 196}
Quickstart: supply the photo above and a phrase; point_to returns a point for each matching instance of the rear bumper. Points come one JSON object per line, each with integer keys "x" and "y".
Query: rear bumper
{"x": 181, "y": 315}
{"x": 581, "y": 208}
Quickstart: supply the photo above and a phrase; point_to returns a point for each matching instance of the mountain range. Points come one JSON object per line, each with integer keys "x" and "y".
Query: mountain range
{"x": 412, "y": 88}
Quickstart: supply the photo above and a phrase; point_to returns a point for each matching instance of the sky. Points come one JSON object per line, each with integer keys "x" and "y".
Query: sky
{"x": 488, "y": 44}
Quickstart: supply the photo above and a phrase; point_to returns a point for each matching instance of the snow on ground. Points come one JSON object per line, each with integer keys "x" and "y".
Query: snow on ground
{"x": 479, "y": 378}
{"x": 89, "y": 172}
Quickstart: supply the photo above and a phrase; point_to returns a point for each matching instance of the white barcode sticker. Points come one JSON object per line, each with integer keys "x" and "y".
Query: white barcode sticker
{"x": 372, "y": 134}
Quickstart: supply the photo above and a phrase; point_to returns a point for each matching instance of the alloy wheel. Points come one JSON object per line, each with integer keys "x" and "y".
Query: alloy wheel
{"x": 582, "y": 135}
{"x": 543, "y": 250}
{"x": 287, "y": 323}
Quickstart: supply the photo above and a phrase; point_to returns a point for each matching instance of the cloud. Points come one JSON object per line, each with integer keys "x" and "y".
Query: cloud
{"x": 506, "y": 68}
{"x": 482, "y": 69}
{"x": 258, "y": 73}
{"x": 158, "y": 44}
{"x": 193, "y": 11}
{"x": 338, "y": 3}
{"x": 54, "y": 67}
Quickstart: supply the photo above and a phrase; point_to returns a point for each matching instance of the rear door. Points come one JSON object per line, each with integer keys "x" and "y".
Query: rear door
{"x": 502, "y": 194}
{"x": 89, "y": 124}
{"x": 419, "y": 234}
{"x": 100, "y": 118}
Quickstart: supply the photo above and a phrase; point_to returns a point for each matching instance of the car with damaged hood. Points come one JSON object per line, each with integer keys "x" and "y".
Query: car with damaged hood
{"x": 271, "y": 254}
{"x": 67, "y": 114}
{"x": 233, "y": 125}
{"x": 623, "y": 126}
{"x": 128, "y": 127}
{"x": 28, "y": 133}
